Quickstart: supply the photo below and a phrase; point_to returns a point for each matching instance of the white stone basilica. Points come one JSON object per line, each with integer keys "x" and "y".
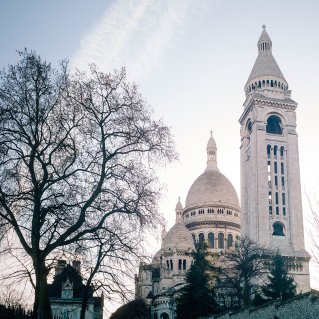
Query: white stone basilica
{"x": 271, "y": 210}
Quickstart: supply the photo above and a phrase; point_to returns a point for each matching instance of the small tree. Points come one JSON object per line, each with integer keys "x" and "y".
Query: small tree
{"x": 198, "y": 297}
{"x": 242, "y": 272}
{"x": 280, "y": 286}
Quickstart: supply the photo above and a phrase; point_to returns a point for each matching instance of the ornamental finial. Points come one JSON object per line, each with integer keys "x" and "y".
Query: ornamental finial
{"x": 211, "y": 133}
{"x": 264, "y": 27}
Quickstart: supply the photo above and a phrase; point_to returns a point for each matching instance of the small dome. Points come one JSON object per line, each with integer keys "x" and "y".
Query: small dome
{"x": 210, "y": 188}
{"x": 179, "y": 205}
{"x": 157, "y": 257}
{"x": 178, "y": 237}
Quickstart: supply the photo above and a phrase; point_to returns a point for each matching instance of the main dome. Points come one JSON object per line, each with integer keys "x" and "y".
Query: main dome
{"x": 212, "y": 187}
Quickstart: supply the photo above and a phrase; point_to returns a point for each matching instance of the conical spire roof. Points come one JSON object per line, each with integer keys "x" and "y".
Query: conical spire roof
{"x": 265, "y": 64}
{"x": 264, "y": 36}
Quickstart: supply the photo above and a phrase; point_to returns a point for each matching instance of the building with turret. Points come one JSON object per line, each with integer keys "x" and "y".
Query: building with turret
{"x": 271, "y": 209}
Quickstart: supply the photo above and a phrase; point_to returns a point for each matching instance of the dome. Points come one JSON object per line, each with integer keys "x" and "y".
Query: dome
{"x": 179, "y": 205}
{"x": 178, "y": 237}
{"x": 211, "y": 143}
{"x": 212, "y": 188}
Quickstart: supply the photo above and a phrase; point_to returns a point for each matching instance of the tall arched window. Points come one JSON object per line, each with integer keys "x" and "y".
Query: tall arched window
{"x": 275, "y": 150}
{"x": 268, "y": 150}
{"x": 278, "y": 229}
{"x": 273, "y": 125}
{"x": 211, "y": 240}
{"x": 184, "y": 264}
{"x": 221, "y": 241}
{"x": 229, "y": 241}
{"x": 167, "y": 264}
{"x": 179, "y": 264}
{"x": 194, "y": 238}
{"x": 282, "y": 151}
{"x": 201, "y": 238}
{"x": 237, "y": 242}
{"x": 171, "y": 262}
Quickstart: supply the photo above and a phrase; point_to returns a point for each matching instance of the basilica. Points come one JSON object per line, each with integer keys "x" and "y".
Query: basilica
{"x": 270, "y": 212}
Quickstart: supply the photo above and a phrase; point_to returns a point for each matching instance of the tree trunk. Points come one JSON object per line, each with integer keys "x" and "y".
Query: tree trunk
{"x": 42, "y": 307}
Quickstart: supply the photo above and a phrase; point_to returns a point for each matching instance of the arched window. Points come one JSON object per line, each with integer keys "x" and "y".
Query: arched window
{"x": 201, "y": 238}
{"x": 237, "y": 242}
{"x": 282, "y": 151}
{"x": 268, "y": 150}
{"x": 184, "y": 264}
{"x": 229, "y": 241}
{"x": 179, "y": 264}
{"x": 171, "y": 262}
{"x": 221, "y": 241}
{"x": 194, "y": 238}
{"x": 167, "y": 264}
{"x": 211, "y": 240}
{"x": 249, "y": 127}
{"x": 273, "y": 125}
{"x": 164, "y": 315}
{"x": 271, "y": 83}
{"x": 155, "y": 315}
{"x": 275, "y": 150}
{"x": 278, "y": 229}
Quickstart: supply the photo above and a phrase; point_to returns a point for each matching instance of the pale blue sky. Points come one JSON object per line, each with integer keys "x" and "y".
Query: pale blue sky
{"x": 191, "y": 59}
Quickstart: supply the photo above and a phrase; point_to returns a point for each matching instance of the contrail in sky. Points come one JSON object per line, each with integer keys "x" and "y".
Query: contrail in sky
{"x": 135, "y": 34}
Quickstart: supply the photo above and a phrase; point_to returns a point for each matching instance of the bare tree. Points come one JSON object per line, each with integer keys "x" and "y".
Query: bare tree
{"x": 75, "y": 152}
{"x": 242, "y": 272}
{"x": 13, "y": 298}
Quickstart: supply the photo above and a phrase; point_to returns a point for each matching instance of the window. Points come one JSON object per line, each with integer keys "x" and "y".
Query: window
{"x": 276, "y": 181}
{"x": 221, "y": 241}
{"x": 220, "y": 211}
{"x": 229, "y": 241}
{"x": 278, "y": 229}
{"x": 210, "y": 211}
{"x": 211, "y": 240}
{"x": 201, "y": 238}
{"x": 274, "y": 125}
{"x": 275, "y": 165}
{"x": 276, "y": 198}
{"x": 270, "y": 210}
{"x": 65, "y": 314}
{"x": 201, "y": 211}
{"x": 268, "y": 150}
{"x": 282, "y": 168}
{"x": 164, "y": 316}
{"x": 184, "y": 264}
{"x": 268, "y": 166}
{"x": 171, "y": 262}
{"x": 284, "y": 211}
{"x": 282, "y": 151}
{"x": 275, "y": 150}
{"x": 167, "y": 264}
{"x": 283, "y": 181}
{"x": 277, "y": 210}
{"x": 229, "y": 212}
{"x": 179, "y": 264}
{"x": 269, "y": 198}
{"x": 237, "y": 241}
{"x": 283, "y": 199}
{"x": 194, "y": 238}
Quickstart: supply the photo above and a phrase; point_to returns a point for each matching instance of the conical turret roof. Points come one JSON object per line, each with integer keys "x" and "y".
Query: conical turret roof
{"x": 265, "y": 64}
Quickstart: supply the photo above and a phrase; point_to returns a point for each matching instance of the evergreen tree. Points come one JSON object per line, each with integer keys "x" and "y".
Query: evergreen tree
{"x": 281, "y": 286}
{"x": 198, "y": 297}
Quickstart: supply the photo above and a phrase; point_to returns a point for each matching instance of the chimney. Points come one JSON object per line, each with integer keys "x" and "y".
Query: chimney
{"x": 76, "y": 264}
{"x": 59, "y": 268}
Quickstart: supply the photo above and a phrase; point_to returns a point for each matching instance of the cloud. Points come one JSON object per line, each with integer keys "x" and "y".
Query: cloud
{"x": 135, "y": 34}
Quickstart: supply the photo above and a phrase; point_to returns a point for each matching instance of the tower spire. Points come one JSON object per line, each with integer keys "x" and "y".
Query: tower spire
{"x": 211, "y": 153}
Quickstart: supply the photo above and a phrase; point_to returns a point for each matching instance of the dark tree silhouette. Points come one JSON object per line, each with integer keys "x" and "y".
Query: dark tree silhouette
{"x": 280, "y": 286}
{"x": 198, "y": 297}
{"x": 77, "y": 154}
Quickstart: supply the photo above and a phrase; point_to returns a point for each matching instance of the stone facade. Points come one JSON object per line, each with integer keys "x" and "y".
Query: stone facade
{"x": 271, "y": 208}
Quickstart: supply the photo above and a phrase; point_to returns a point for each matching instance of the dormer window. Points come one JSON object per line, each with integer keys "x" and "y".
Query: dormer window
{"x": 67, "y": 289}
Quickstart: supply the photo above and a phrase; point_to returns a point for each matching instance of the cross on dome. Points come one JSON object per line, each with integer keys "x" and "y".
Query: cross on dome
{"x": 211, "y": 133}
{"x": 264, "y": 27}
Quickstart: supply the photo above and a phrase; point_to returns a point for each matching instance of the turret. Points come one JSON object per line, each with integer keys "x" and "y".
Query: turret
{"x": 179, "y": 211}
{"x": 211, "y": 153}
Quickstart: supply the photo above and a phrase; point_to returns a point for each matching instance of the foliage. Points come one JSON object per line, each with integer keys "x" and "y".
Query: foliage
{"x": 77, "y": 159}
{"x": 198, "y": 297}
{"x": 280, "y": 286}
{"x": 243, "y": 269}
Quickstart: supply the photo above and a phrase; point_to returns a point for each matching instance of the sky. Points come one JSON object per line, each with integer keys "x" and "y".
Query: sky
{"x": 191, "y": 60}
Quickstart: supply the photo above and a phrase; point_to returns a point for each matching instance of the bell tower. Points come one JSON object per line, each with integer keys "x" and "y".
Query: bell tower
{"x": 271, "y": 208}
